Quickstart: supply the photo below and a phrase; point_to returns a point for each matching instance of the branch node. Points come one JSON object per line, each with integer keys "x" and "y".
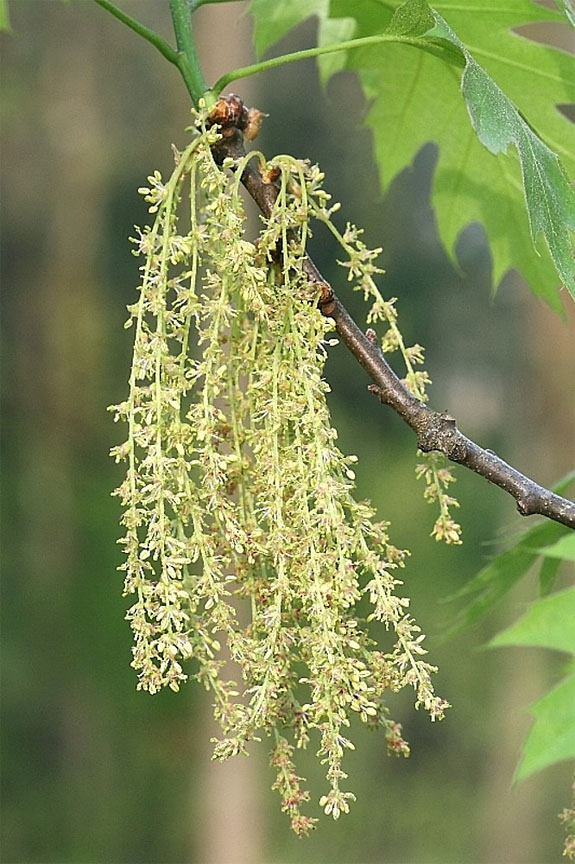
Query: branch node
{"x": 530, "y": 503}
{"x": 377, "y": 392}
{"x": 439, "y": 432}
{"x": 327, "y": 299}
{"x": 229, "y": 111}
{"x": 269, "y": 175}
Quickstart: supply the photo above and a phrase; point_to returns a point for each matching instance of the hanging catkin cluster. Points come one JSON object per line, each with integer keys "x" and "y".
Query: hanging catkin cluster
{"x": 243, "y": 539}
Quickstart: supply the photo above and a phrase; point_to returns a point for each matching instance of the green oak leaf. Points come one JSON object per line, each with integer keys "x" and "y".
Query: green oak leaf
{"x": 415, "y": 98}
{"x": 548, "y": 623}
{"x": 549, "y": 196}
{"x": 412, "y": 19}
{"x": 551, "y": 739}
{"x": 564, "y": 548}
{"x": 496, "y": 579}
{"x": 273, "y": 19}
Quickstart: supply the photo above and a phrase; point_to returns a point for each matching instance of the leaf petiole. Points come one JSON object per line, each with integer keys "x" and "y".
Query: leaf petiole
{"x": 433, "y": 46}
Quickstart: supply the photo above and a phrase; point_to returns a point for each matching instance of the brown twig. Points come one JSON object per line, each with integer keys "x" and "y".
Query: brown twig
{"x": 434, "y": 430}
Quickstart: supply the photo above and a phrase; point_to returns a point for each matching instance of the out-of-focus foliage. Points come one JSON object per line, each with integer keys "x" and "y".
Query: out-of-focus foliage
{"x": 547, "y": 623}
{"x": 541, "y": 545}
{"x": 564, "y": 548}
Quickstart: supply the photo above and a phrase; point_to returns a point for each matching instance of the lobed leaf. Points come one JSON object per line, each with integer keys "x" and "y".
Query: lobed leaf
{"x": 500, "y": 575}
{"x": 412, "y": 19}
{"x": 414, "y": 100}
{"x": 550, "y": 739}
{"x": 549, "y": 196}
{"x": 496, "y": 579}
{"x": 272, "y": 20}
{"x": 547, "y": 574}
{"x": 548, "y": 623}
{"x": 563, "y": 549}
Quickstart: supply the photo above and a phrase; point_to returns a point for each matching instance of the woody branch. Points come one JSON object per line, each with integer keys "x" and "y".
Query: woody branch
{"x": 434, "y": 430}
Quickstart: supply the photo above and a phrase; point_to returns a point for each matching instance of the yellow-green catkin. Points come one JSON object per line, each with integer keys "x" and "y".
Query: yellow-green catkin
{"x": 242, "y": 535}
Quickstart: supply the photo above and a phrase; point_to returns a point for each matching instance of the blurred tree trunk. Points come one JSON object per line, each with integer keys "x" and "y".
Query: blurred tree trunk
{"x": 230, "y": 829}
{"x": 545, "y": 417}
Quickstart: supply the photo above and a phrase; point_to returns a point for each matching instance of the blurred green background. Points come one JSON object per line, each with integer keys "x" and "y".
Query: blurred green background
{"x": 94, "y": 772}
